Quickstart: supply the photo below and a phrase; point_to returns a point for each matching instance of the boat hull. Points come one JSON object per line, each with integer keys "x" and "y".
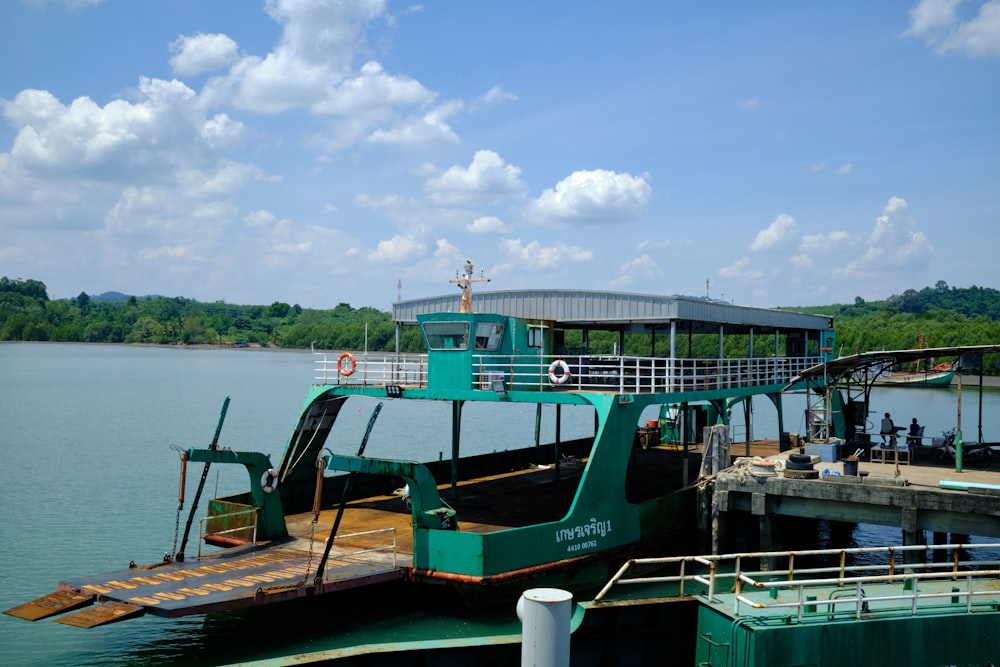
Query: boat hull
{"x": 930, "y": 379}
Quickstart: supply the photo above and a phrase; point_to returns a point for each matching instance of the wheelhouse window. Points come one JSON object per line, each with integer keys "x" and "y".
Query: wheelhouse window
{"x": 536, "y": 336}
{"x": 488, "y": 336}
{"x": 446, "y": 335}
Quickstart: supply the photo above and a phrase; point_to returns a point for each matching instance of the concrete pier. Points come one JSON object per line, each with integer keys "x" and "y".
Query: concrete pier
{"x": 912, "y": 501}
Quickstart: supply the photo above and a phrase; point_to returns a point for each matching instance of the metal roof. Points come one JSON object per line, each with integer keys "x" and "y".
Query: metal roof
{"x": 617, "y": 310}
{"x": 844, "y": 366}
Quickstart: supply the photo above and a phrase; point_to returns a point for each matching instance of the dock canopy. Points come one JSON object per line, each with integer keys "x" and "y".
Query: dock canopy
{"x": 843, "y": 367}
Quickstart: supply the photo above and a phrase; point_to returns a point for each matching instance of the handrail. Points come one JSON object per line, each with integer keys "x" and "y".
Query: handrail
{"x": 215, "y": 517}
{"x": 393, "y": 547}
{"x": 842, "y": 576}
{"x": 620, "y": 373}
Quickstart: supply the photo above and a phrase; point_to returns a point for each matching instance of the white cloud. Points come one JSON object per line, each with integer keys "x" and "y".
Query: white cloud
{"x": 222, "y": 132}
{"x": 777, "y": 232}
{"x": 594, "y": 197}
{"x": 930, "y": 16}
{"x": 487, "y": 179}
{"x": 801, "y": 261}
{"x": 431, "y": 128}
{"x": 122, "y": 140}
{"x": 751, "y": 103}
{"x": 845, "y": 169}
{"x": 260, "y": 218}
{"x": 894, "y": 243}
{"x": 740, "y": 270}
{"x": 488, "y": 224}
{"x": 938, "y": 24}
{"x": 831, "y": 241}
{"x": 397, "y": 250}
{"x": 202, "y": 53}
{"x": 642, "y": 266}
{"x": 534, "y": 256}
{"x": 492, "y": 97}
{"x": 177, "y": 253}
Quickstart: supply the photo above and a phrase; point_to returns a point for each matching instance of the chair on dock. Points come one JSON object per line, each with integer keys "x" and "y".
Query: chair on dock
{"x": 915, "y": 439}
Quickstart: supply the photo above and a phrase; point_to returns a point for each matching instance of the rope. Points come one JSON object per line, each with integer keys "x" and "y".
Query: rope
{"x": 308, "y": 444}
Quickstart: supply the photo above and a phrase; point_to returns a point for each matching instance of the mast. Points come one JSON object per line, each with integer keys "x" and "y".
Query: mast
{"x": 465, "y": 284}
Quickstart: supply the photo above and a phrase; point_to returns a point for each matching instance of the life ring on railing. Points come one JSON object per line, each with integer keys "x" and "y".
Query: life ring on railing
{"x": 269, "y": 481}
{"x": 352, "y": 364}
{"x": 563, "y": 375}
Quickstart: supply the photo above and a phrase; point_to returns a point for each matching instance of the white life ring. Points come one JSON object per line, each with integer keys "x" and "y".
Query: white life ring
{"x": 563, "y": 376}
{"x": 269, "y": 481}
{"x": 351, "y": 366}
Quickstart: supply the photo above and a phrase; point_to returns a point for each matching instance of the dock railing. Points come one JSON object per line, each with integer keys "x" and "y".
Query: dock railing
{"x": 715, "y": 576}
{"x": 606, "y": 373}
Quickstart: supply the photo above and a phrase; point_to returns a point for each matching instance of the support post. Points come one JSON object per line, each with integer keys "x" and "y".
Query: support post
{"x": 456, "y": 437}
{"x": 911, "y": 536}
{"x": 545, "y": 627}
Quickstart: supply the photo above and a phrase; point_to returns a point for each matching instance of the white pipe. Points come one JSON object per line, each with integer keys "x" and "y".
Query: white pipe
{"x": 545, "y": 616}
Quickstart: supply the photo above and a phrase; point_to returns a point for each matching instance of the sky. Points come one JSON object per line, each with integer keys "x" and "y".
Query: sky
{"x": 319, "y": 152}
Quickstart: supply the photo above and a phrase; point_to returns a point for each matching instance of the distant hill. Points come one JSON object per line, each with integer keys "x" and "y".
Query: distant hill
{"x": 118, "y": 296}
{"x": 110, "y": 296}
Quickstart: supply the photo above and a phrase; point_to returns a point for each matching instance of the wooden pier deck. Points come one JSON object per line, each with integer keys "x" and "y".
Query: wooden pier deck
{"x": 910, "y": 497}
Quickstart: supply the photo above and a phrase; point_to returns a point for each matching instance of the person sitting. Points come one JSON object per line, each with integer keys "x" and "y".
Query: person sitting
{"x": 888, "y": 429}
{"x": 916, "y": 433}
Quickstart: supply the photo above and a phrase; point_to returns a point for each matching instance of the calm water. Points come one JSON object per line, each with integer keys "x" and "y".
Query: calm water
{"x": 91, "y": 479}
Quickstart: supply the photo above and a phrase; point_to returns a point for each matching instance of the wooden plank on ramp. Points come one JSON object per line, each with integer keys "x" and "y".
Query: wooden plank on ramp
{"x": 102, "y": 614}
{"x": 58, "y": 602}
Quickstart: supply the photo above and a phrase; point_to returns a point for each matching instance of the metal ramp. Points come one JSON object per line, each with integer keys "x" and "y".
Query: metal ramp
{"x": 58, "y": 602}
{"x": 224, "y": 581}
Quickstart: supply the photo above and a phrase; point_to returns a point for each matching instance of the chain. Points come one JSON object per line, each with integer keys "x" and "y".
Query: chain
{"x": 177, "y": 527}
{"x": 309, "y": 561}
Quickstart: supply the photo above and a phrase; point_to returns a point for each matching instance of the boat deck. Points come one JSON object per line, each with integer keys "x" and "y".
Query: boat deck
{"x": 374, "y": 544}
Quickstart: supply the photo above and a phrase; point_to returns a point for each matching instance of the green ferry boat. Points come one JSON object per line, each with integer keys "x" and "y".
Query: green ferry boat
{"x": 562, "y": 513}
{"x": 619, "y": 508}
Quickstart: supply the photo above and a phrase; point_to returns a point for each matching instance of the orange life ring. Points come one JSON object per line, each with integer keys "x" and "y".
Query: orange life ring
{"x": 352, "y": 364}
{"x": 269, "y": 481}
{"x": 564, "y": 374}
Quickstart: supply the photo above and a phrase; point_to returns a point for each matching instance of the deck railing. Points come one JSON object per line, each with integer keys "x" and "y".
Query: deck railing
{"x": 246, "y": 521}
{"x": 623, "y": 374}
{"x": 378, "y": 531}
{"x": 757, "y": 590}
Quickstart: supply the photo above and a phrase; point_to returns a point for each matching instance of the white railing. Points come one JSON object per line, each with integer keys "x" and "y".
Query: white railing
{"x": 622, "y": 374}
{"x": 761, "y": 590}
{"x": 359, "y": 552}
{"x": 250, "y": 513}
{"x": 371, "y": 369}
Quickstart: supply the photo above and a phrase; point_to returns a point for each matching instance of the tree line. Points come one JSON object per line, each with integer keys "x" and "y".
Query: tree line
{"x": 28, "y": 314}
{"x": 942, "y": 316}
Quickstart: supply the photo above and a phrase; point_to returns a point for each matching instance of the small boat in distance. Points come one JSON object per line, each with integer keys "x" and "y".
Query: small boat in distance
{"x": 922, "y": 372}
{"x": 940, "y": 375}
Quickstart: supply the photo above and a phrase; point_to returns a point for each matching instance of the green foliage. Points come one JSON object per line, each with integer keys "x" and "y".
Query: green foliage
{"x": 943, "y": 316}
{"x": 26, "y": 313}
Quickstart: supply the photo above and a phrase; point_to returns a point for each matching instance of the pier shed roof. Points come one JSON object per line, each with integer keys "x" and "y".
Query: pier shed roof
{"x": 844, "y": 366}
{"x": 618, "y": 310}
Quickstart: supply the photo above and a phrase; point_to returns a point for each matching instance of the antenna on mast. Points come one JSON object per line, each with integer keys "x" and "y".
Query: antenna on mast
{"x": 465, "y": 284}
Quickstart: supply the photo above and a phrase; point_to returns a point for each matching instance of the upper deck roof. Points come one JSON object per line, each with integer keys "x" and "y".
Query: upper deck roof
{"x": 617, "y": 310}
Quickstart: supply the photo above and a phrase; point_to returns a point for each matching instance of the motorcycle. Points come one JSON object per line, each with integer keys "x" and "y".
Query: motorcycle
{"x": 979, "y": 454}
